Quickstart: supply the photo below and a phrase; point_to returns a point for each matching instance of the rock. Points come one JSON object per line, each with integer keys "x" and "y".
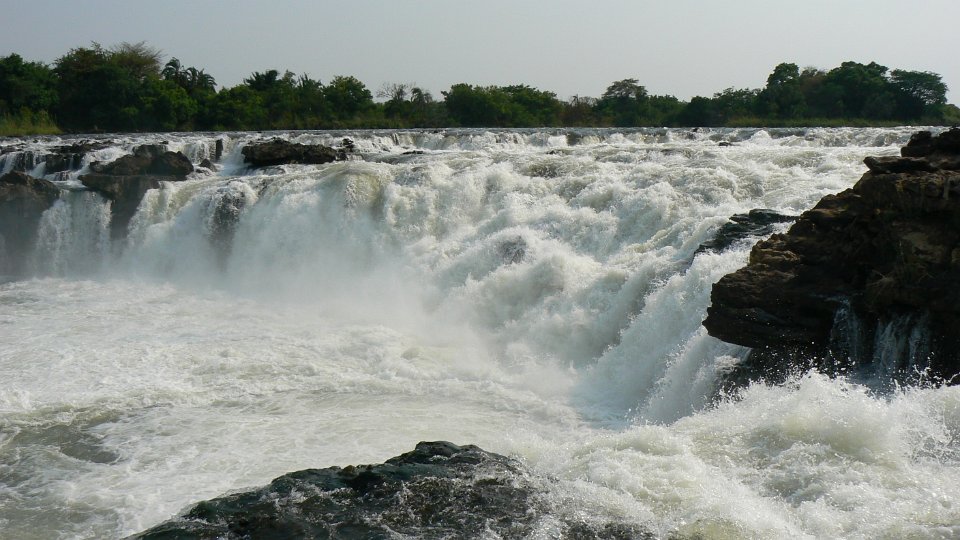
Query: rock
{"x": 23, "y": 200}
{"x": 924, "y": 144}
{"x": 888, "y": 165}
{"x": 207, "y": 164}
{"x": 757, "y": 222}
{"x": 881, "y": 256}
{"x": 125, "y": 180}
{"x": 512, "y": 251}
{"x": 218, "y": 150}
{"x": 69, "y": 157}
{"x": 228, "y": 203}
{"x": 439, "y": 490}
{"x": 125, "y": 192}
{"x": 280, "y": 152}
{"x": 147, "y": 160}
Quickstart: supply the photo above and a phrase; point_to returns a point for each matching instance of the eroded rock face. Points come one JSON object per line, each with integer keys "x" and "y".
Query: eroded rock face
{"x": 885, "y": 251}
{"x": 280, "y": 152}
{"x": 439, "y": 490}
{"x": 23, "y": 200}
{"x": 125, "y": 180}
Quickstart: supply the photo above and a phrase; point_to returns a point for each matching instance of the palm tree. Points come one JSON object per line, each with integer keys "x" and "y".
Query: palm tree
{"x": 173, "y": 71}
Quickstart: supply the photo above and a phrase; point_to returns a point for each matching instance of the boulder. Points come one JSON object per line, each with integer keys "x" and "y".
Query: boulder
{"x": 23, "y": 200}
{"x": 872, "y": 269}
{"x": 439, "y": 490}
{"x": 125, "y": 180}
{"x": 280, "y": 152}
{"x": 146, "y": 160}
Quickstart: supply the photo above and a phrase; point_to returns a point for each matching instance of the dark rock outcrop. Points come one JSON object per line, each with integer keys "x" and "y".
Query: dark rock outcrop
{"x": 69, "y": 157}
{"x": 512, "y": 251}
{"x": 756, "y": 222}
{"x": 439, "y": 490}
{"x": 148, "y": 159}
{"x": 868, "y": 276}
{"x": 227, "y": 204}
{"x": 281, "y": 152}
{"x": 125, "y": 180}
{"x": 23, "y": 200}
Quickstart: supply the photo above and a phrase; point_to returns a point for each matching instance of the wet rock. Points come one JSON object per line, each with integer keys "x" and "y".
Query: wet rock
{"x": 69, "y": 157}
{"x": 23, "y": 200}
{"x": 280, "y": 152}
{"x": 512, "y": 251}
{"x": 19, "y": 160}
{"x": 439, "y": 490}
{"x": 228, "y": 203}
{"x": 207, "y": 164}
{"x": 756, "y": 222}
{"x": 885, "y": 251}
{"x": 147, "y": 160}
{"x": 218, "y": 150}
{"x": 125, "y": 180}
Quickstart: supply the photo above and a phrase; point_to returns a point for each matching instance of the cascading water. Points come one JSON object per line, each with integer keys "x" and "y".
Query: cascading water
{"x": 538, "y": 293}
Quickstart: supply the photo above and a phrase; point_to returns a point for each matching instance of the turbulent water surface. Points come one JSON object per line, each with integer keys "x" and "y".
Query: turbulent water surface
{"x": 536, "y": 293}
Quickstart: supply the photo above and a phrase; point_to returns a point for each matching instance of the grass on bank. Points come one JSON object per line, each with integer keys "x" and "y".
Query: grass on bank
{"x": 27, "y": 122}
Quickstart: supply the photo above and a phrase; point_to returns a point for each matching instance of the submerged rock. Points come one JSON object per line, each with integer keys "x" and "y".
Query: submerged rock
{"x": 125, "y": 180}
{"x": 23, "y": 200}
{"x": 870, "y": 259}
{"x": 280, "y": 152}
{"x": 512, "y": 251}
{"x": 439, "y": 490}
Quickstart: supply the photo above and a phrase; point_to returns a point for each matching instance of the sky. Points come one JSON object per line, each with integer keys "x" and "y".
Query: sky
{"x": 678, "y": 47}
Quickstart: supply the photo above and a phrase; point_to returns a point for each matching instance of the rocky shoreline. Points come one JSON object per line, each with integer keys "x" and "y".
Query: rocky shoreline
{"x": 867, "y": 281}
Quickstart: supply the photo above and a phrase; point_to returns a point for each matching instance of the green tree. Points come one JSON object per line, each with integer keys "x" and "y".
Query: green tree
{"x": 30, "y": 85}
{"x": 624, "y": 103}
{"x": 783, "y": 97}
{"x": 917, "y": 92}
{"x": 863, "y": 89}
{"x": 239, "y": 108}
{"x": 348, "y": 98}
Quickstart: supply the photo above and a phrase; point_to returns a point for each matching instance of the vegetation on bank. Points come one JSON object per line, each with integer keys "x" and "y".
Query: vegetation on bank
{"x": 128, "y": 87}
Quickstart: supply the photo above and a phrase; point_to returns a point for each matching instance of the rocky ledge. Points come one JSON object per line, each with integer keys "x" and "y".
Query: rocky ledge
{"x": 23, "y": 200}
{"x": 439, "y": 490}
{"x": 869, "y": 279}
{"x": 125, "y": 180}
{"x": 281, "y": 151}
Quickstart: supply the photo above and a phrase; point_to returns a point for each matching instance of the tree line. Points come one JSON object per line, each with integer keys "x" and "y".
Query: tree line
{"x": 129, "y": 87}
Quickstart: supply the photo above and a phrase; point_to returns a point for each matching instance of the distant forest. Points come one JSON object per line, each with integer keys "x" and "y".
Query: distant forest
{"x": 128, "y": 87}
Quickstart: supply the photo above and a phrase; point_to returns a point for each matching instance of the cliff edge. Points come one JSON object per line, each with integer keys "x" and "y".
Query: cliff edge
{"x": 869, "y": 279}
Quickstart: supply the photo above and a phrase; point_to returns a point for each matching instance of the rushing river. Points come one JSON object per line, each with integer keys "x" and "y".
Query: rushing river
{"x": 537, "y": 293}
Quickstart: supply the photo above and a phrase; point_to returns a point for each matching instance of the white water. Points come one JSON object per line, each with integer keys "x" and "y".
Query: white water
{"x": 512, "y": 290}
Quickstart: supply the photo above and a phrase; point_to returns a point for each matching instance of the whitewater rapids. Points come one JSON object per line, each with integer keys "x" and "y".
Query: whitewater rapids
{"x": 537, "y": 293}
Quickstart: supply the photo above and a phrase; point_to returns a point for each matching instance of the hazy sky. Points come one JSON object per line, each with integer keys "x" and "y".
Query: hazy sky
{"x": 679, "y": 47}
